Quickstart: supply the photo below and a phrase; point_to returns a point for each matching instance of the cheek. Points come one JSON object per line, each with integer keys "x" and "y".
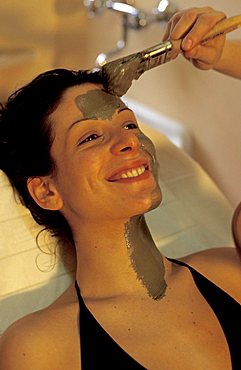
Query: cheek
{"x": 77, "y": 175}
{"x": 89, "y": 164}
{"x": 149, "y": 147}
{"x": 85, "y": 175}
{"x": 85, "y": 164}
{"x": 147, "y": 144}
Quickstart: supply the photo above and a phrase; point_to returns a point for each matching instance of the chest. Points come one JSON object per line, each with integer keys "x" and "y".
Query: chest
{"x": 161, "y": 336}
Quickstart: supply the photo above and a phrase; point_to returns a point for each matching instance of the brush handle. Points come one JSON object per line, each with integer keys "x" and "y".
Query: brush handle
{"x": 224, "y": 26}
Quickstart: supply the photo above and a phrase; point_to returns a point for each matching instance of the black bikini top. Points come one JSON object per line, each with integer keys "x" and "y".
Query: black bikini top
{"x": 100, "y": 351}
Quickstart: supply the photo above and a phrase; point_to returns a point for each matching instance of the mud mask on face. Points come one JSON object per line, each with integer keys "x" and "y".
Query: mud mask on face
{"x": 146, "y": 259}
{"x": 148, "y": 147}
{"x": 98, "y": 104}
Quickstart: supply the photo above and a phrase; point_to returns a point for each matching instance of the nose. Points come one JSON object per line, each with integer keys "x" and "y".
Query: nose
{"x": 126, "y": 142}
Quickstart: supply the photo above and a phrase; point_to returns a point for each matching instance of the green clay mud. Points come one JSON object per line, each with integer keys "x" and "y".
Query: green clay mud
{"x": 98, "y": 104}
{"x": 145, "y": 258}
{"x": 119, "y": 74}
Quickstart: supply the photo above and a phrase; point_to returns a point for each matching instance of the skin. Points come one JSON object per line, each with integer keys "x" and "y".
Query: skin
{"x": 219, "y": 54}
{"x": 176, "y": 331}
{"x": 97, "y": 104}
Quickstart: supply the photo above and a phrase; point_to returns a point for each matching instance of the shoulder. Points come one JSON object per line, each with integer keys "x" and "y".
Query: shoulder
{"x": 37, "y": 340}
{"x": 22, "y": 345}
{"x": 220, "y": 265}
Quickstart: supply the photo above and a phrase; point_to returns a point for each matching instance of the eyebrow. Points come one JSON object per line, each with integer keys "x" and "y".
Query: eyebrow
{"x": 124, "y": 108}
{"x": 80, "y": 120}
{"x": 93, "y": 118}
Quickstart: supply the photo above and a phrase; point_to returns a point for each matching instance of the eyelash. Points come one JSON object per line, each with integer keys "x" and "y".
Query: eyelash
{"x": 96, "y": 136}
{"x": 89, "y": 138}
{"x": 131, "y": 124}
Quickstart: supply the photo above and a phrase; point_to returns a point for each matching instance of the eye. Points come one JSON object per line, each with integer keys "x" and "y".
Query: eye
{"x": 131, "y": 126}
{"x": 89, "y": 138}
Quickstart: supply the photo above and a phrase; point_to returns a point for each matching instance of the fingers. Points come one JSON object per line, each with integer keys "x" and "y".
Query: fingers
{"x": 179, "y": 25}
{"x": 192, "y": 25}
{"x": 203, "y": 24}
{"x": 206, "y": 56}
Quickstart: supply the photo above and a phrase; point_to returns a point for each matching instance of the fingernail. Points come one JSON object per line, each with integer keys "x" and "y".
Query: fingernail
{"x": 187, "y": 44}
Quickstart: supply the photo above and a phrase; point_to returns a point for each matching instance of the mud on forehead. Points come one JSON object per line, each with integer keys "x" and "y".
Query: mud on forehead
{"x": 98, "y": 104}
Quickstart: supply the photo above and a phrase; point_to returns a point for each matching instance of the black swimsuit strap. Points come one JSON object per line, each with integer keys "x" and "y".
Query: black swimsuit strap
{"x": 226, "y": 309}
{"x": 98, "y": 349}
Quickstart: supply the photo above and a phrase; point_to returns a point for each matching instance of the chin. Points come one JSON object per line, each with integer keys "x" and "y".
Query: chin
{"x": 155, "y": 203}
{"x": 156, "y": 199}
{"x": 149, "y": 203}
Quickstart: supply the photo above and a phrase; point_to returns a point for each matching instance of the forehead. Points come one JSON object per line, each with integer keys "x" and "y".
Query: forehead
{"x": 90, "y": 101}
{"x": 98, "y": 104}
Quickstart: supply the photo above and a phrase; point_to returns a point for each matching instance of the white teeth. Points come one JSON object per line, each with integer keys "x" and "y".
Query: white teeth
{"x": 129, "y": 173}
{"x": 134, "y": 172}
{"x": 124, "y": 176}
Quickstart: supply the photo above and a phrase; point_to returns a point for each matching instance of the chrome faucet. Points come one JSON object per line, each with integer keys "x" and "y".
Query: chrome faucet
{"x": 132, "y": 18}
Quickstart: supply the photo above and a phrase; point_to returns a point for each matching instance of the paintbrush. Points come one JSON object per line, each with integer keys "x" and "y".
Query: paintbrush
{"x": 119, "y": 74}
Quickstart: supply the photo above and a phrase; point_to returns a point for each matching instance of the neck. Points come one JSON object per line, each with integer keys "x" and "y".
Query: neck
{"x": 145, "y": 258}
{"x": 119, "y": 258}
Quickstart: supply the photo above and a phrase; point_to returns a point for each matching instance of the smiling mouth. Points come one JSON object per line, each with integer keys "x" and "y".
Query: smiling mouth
{"x": 130, "y": 173}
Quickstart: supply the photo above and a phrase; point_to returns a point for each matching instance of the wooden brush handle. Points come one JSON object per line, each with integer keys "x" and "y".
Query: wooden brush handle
{"x": 224, "y": 26}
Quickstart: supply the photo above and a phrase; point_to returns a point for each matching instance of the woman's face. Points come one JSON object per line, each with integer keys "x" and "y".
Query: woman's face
{"x": 105, "y": 166}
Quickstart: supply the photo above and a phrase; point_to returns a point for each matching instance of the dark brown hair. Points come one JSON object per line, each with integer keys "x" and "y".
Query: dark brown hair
{"x": 26, "y": 138}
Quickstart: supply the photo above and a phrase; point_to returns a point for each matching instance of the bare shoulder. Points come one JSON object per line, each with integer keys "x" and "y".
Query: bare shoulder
{"x": 36, "y": 340}
{"x": 220, "y": 265}
{"x": 21, "y": 345}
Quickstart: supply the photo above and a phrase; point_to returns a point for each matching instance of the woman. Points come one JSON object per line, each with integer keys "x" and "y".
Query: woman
{"x": 87, "y": 173}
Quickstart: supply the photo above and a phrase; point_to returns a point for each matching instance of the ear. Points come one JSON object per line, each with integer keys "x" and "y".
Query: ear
{"x": 44, "y": 192}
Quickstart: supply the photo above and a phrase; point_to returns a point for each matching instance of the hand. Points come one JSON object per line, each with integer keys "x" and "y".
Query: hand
{"x": 192, "y": 25}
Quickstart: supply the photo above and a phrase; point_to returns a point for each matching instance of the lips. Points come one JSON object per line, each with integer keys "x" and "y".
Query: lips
{"x": 132, "y": 170}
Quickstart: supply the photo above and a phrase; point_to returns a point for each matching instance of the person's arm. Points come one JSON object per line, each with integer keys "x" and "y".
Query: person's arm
{"x": 192, "y": 25}
{"x": 230, "y": 61}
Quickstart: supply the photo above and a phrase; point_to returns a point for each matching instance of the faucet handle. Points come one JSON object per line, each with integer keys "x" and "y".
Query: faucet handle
{"x": 94, "y": 7}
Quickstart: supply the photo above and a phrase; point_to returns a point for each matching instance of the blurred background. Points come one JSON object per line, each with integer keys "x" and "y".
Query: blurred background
{"x": 36, "y": 36}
